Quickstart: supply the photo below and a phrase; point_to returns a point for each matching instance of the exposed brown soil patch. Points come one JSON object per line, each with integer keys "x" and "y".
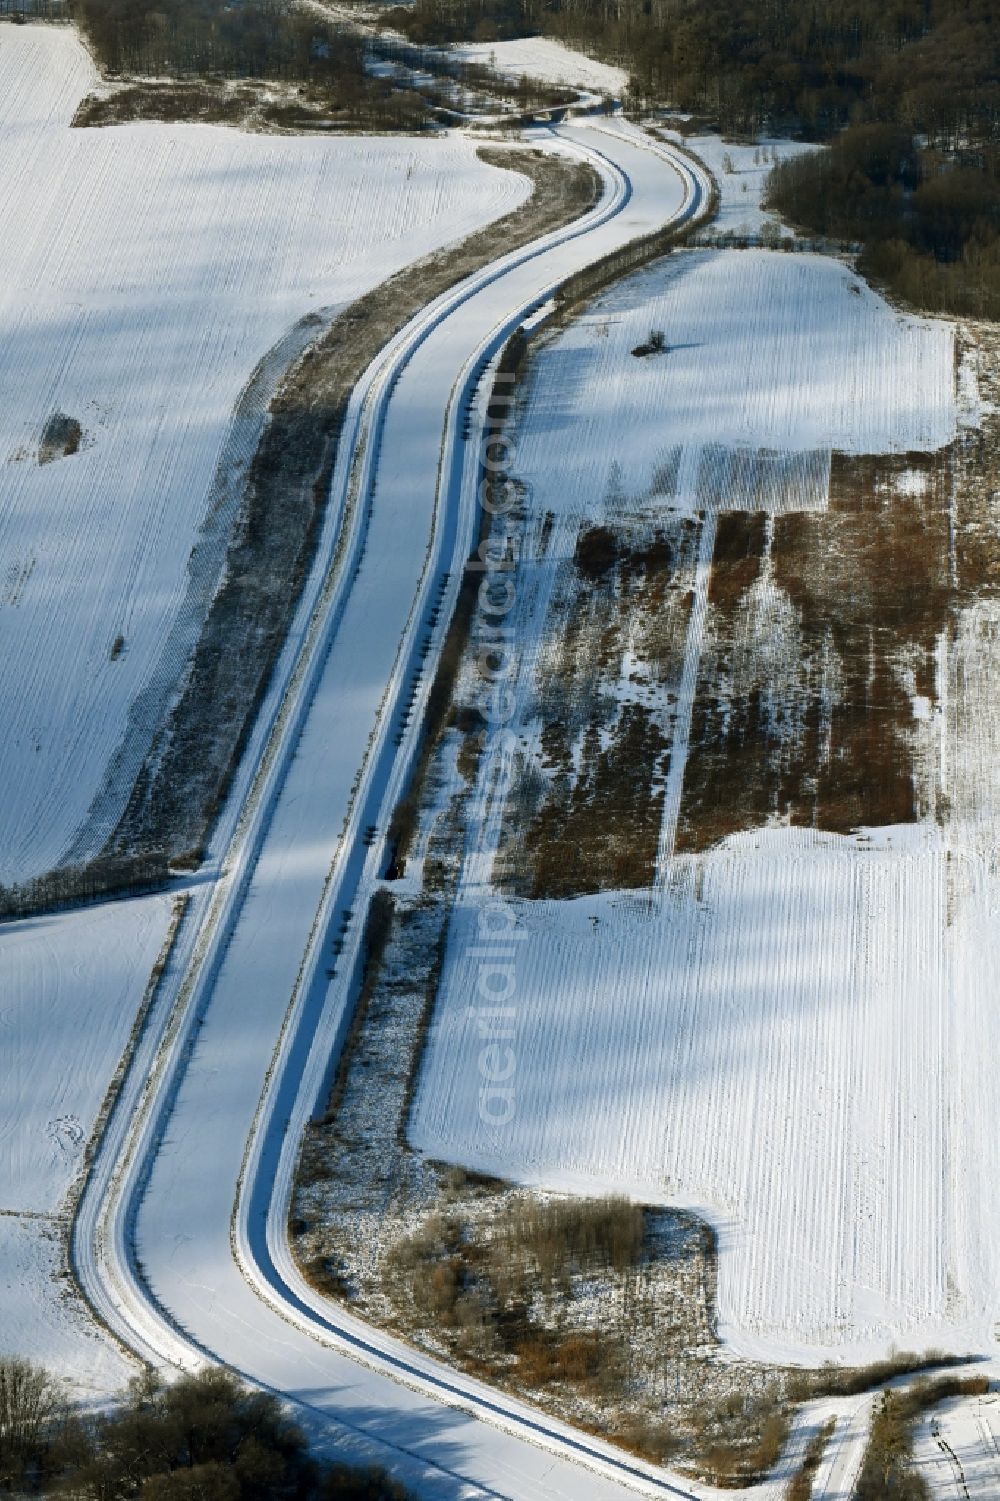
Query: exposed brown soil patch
{"x": 585, "y": 812}
{"x": 818, "y": 697}
{"x": 819, "y": 645}
{"x": 740, "y": 540}
{"x": 601, "y": 832}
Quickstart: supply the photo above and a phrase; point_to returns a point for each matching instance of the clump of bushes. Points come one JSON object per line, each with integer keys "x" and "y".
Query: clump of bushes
{"x": 851, "y": 1381}
{"x": 739, "y": 1439}
{"x": 207, "y": 1437}
{"x": 655, "y": 344}
{"x": 596, "y": 553}
{"x": 61, "y": 437}
{"x": 886, "y": 1474}
{"x": 566, "y": 1237}
{"x": 501, "y": 1294}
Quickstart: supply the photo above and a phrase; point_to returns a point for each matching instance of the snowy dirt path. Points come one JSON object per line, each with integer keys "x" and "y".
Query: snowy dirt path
{"x": 684, "y": 713}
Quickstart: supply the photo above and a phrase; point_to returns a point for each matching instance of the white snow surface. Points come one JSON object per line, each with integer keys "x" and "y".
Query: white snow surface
{"x": 548, "y": 61}
{"x": 957, "y": 1448}
{"x": 741, "y": 173}
{"x": 768, "y": 354}
{"x": 147, "y": 270}
{"x": 42, "y": 1318}
{"x": 791, "y": 1040}
{"x": 70, "y": 986}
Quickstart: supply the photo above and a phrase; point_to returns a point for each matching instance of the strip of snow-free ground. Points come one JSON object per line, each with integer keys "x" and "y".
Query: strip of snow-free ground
{"x": 147, "y": 270}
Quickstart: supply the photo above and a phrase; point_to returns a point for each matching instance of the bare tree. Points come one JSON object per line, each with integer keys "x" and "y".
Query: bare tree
{"x": 32, "y": 1406}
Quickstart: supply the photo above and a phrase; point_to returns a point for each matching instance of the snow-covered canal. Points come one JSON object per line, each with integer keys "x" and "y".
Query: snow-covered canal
{"x": 181, "y": 1235}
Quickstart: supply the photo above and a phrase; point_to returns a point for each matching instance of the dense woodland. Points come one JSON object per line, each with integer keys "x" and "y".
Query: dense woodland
{"x": 809, "y": 65}
{"x": 908, "y": 91}
{"x": 269, "y": 39}
{"x": 192, "y": 48}
{"x": 206, "y": 1438}
{"x": 928, "y": 221}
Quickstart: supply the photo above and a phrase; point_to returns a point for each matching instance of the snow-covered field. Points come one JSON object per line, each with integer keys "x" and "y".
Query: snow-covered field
{"x": 70, "y": 987}
{"x": 781, "y": 1039}
{"x": 794, "y": 1033}
{"x": 147, "y": 271}
{"x": 548, "y": 61}
{"x": 741, "y": 173}
{"x": 957, "y": 1449}
{"x": 42, "y": 1318}
{"x": 768, "y": 354}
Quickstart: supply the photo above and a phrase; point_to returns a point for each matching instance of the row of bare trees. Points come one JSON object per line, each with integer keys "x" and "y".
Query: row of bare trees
{"x": 271, "y": 39}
